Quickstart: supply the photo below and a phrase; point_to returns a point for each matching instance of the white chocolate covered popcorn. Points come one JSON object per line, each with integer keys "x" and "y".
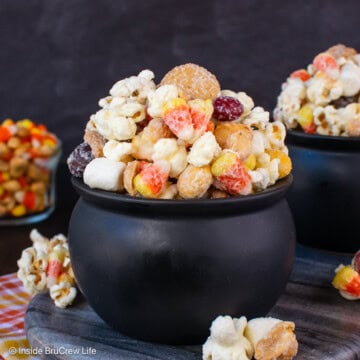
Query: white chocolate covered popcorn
{"x": 113, "y": 126}
{"x": 63, "y": 294}
{"x": 159, "y": 98}
{"x": 46, "y": 266}
{"x": 227, "y": 340}
{"x": 204, "y": 150}
{"x": 116, "y": 151}
{"x": 135, "y": 87}
{"x": 316, "y": 99}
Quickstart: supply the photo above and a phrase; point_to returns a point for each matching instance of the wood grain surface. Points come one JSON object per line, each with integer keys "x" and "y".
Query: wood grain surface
{"x": 327, "y": 326}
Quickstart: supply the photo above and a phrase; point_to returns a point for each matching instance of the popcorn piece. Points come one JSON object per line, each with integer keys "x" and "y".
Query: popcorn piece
{"x": 63, "y": 294}
{"x": 289, "y": 101}
{"x": 193, "y": 82}
{"x": 143, "y": 143}
{"x": 272, "y": 339}
{"x": 117, "y": 151}
{"x": 257, "y": 118}
{"x": 151, "y": 181}
{"x": 194, "y": 182}
{"x": 204, "y": 150}
{"x": 135, "y": 87}
{"x": 260, "y": 178}
{"x": 105, "y": 174}
{"x": 32, "y": 270}
{"x": 349, "y": 79}
{"x": 47, "y": 265}
{"x": 168, "y": 149}
{"x": 275, "y": 133}
{"x": 159, "y": 98}
{"x": 169, "y": 192}
{"x": 259, "y": 143}
{"x": 112, "y": 126}
{"x": 230, "y": 174}
{"x": 227, "y": 340}
{"x": 235, "y": 137}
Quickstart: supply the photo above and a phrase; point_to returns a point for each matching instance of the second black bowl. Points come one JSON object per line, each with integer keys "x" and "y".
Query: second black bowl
{"x": 325, "y": 197}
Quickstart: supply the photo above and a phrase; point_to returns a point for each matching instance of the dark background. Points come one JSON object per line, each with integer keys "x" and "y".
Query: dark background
{"x": 59, "y": 57}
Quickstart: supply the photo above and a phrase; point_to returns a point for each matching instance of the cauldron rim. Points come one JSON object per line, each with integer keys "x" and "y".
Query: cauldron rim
{"x": 326, "y": 142}
{"x": 116, "y": 201}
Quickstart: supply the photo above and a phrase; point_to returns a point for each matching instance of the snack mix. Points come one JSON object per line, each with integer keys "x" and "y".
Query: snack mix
{"x": 25, "y": 174}
{"x": 347, "y": 279}
{"x": 182, "y": 139}
{"x": 260, "y": 338}
{"x": 46, "y": 267}
{"x": 324, "y": 98}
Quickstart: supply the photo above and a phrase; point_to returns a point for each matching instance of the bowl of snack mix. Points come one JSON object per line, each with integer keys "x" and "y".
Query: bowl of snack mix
{"x": 182, "y": 213}
{"x": 320, "y": 106}
{"x": 29, "y": 155}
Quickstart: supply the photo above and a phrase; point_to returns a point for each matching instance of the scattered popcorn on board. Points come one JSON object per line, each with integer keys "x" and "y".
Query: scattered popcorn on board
{"x": 259, "y": 339}
{"x": 182, "y": 139}
{"x": 324, "y": 98}
{"x": 46, "y": 266}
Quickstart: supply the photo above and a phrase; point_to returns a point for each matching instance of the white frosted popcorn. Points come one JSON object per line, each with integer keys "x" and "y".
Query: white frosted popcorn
{"x": 164, "y": 149}
{"x": 63, "y": 294}
{"x": 227, "y": 340}
{"x": 204, "y": 150}
{"x": 275, "y": 132}
{"x": 349, "y": 79}
{"x": 260, "y": 178}
{"x": 258, "y": 118}
{"x": 158, "y": 98}
{"x": 116, "y": 151}
{"x": 114, "y": 127}
{"x": 46, "y": 266}
{"x": 104, "y": 174}
{"x": 135, "y": 87}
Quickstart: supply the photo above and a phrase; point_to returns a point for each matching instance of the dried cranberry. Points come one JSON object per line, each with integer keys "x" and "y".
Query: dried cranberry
{"x": 227, "y": 108}
{"x": 79, "y": 158}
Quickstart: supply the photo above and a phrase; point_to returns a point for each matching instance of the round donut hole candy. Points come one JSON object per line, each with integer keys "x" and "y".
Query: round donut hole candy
{"x": 193, "y": 82}
{"x": 79, "y": 158}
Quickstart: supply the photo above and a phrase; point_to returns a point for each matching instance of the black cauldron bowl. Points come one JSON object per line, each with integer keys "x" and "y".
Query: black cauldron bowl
{"x": 162, "y": 270}
{"x": 325, "y": 196}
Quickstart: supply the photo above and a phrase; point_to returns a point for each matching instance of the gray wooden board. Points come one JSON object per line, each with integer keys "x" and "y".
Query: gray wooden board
{"x": 327, "y": 326}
